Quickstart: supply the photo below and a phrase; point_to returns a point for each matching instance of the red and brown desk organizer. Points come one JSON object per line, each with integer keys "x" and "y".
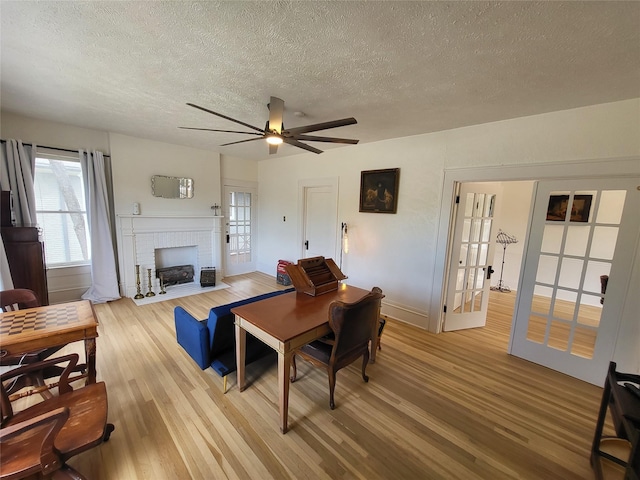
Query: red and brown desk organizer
{"x": 315, "y": 276}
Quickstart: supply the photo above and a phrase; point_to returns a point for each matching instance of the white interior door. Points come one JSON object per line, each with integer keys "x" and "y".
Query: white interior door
{"x": 240, "y": 208}
{"x": 471, "y": 251}
{"x": 582, "y": 233}
{"x": 319, "y": 221}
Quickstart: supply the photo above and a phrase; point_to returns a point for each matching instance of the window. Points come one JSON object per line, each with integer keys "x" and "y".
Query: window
{"x": 61, "y": 210}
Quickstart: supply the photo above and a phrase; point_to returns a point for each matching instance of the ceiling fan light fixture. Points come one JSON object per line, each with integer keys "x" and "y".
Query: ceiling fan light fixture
{"x": 275, "y": 136}
{"x": 274, "y": 139}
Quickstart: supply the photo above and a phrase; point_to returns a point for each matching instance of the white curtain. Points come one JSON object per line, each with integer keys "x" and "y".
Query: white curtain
{"x": 18, "y": 167}
{"x": 104, "y": 277}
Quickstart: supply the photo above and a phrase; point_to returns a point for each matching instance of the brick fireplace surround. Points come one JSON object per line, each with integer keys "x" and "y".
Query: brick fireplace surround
{"x": 140, "y": 235}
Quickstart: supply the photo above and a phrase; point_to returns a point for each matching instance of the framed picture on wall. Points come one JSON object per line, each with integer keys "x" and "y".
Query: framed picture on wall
{"x": 559, "y": 204}
{"x": 379, "y": 190}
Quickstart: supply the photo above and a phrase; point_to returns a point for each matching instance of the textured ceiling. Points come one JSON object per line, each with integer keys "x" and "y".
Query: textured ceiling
{"x": 399, "y": 68}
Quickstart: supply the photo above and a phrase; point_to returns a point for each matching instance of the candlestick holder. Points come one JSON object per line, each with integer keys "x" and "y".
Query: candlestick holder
{"x": 162, "y": 290}
{"x": 138, "y": 295}
{"x": 150, "y": 292}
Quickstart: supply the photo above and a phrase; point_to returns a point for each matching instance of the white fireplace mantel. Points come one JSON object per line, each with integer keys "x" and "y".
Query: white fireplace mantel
{"x": 140, "y": 235}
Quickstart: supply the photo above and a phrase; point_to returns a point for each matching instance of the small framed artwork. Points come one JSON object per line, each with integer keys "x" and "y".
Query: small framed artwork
{"x": 379, "y": 190}
{"x": 559, "y": 204}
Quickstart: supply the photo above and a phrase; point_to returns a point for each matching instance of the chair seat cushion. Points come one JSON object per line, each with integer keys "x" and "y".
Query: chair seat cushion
{"x": 85, "y": 427}
{"x": 319, "y": 350}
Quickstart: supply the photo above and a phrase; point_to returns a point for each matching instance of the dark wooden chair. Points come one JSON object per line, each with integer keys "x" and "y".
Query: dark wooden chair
{"x": 381, "y": 323}
{"x": 18, "y": 299}
{"x": 330, "y": 338}
{"x": 37, "y": 441}
{"x": 351, "y": 324}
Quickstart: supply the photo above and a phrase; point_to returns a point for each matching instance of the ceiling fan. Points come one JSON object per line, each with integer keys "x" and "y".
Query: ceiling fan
{"x": 275, "y": 133}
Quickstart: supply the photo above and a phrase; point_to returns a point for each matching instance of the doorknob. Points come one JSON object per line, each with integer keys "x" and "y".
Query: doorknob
{"x": 306, "y": 244}
{"x": 489, "y": 272}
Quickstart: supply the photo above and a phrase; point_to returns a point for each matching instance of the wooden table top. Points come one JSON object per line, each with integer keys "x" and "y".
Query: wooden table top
{"x": 289, "y": 315}
{"x": 43, "y": 324}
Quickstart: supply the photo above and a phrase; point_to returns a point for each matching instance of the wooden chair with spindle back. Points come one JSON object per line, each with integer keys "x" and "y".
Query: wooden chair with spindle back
{"x": 36, "y": 442}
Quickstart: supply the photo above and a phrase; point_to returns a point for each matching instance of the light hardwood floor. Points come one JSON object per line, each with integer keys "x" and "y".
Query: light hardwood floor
{"x": 453, "y": 405}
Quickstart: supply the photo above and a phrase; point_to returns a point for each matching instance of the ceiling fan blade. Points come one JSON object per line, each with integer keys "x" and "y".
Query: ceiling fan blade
{"x": 224, "y": 131}
{"x": 313, "y": 138}
{"x": 276, "y": 110}
{"x": 241, "y": 141}
{"x": 295, "y": 143}
{"x": 321, "y": 126}
{"x": 225, "y": 117}
{"x": 273, "y": 149}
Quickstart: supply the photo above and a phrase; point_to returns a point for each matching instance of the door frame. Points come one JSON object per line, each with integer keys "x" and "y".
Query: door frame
{"x": 601, "y": 168}
{"x": 240, "y": 185}
{"x": 303, "y": 184}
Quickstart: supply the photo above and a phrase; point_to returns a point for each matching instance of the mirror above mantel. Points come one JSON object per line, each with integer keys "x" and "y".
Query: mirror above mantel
{"x": 171, "y": 187}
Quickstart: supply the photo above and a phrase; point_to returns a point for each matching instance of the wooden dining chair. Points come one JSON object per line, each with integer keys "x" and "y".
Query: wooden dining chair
{"x": 36, "y": 442}
{"x": 352, "y": 324}
{"x": 19, "y": 299}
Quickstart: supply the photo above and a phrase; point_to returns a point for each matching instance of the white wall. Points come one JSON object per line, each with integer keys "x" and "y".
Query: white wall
{"x": 134, "y": 161}
{"x": 51, "y": 134}
{"x": 238, "y": 169}
{"x": 400, "y": 253}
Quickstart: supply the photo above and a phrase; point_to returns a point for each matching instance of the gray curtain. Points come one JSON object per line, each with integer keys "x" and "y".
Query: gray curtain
{"x": 104, "y": 277}
{"x": 16, "y": 175}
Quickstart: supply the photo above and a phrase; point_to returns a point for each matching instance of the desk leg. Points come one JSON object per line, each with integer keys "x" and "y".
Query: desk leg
{"x": 284, "y": 373}
{"x": 241, "y": 346}
{"x": 90, "y": 355}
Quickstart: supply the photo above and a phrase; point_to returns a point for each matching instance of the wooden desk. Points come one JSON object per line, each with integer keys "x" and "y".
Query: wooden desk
{"x": 32, "y": 329}
{"x": 286, "y": 322}
{"x": 625, "y": 413}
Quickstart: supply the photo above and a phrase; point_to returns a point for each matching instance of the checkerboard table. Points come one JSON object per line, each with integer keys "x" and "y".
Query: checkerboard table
{"x": 32, "y": 329}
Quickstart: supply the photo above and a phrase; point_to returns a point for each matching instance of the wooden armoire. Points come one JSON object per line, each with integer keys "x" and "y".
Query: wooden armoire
{"x": 25, "y": 255}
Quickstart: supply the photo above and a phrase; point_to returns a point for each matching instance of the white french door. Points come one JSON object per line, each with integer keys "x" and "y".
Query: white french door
{"x": 471, "y": 253}
{"x": 581, "y": 236}
{"x": 239, "y": 206}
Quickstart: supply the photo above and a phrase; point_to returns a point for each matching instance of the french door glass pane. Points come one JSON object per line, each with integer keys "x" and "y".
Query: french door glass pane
{"x": 570, "y": 273}
{"x": 565, "y": 305}
{"x": 604, "y": 242}
{"x": 584, "y": 342}
{"x": 547, "y": 266}
{"x": 610, "y": 208}
{"x": 537, "y": 328}
{"x": 552, "y": 238}
{"x": 592, "y": 277}
{"x": 577, "y": 240}
{"x": 559, "y": 335}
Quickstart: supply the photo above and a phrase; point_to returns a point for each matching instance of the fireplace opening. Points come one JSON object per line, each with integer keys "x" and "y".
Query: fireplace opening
{"x": 176, "y": 265}
{"x": 175, "y": 275}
